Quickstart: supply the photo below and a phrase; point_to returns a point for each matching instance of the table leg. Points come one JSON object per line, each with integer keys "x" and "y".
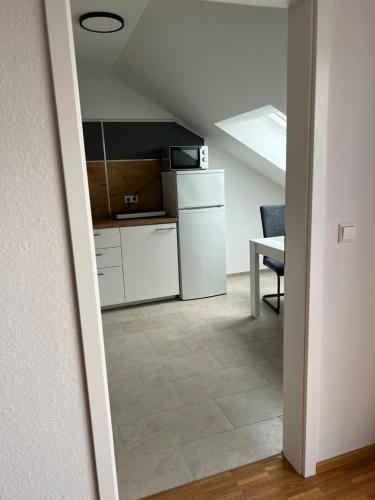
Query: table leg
{"x": 254, "y": 280}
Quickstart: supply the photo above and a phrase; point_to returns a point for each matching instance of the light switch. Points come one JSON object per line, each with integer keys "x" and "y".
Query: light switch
{"x": 346, "y": 233}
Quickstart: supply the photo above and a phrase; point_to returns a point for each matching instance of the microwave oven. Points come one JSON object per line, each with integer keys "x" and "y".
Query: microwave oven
{"x": 185, "y": 158}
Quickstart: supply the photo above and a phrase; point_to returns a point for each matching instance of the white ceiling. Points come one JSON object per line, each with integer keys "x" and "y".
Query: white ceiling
{"x": 98, "y": 52}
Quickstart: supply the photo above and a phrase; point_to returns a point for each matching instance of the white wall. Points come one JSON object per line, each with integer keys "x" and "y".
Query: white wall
{"x": 45, "y": 433}
{"x": 245, "y": 191}
{"x": 105, "y": 97}
{"x": 347, "y": 396}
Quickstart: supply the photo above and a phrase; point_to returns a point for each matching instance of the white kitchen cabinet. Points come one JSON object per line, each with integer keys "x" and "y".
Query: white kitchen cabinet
{"x": 111, "y": 286}
{"x": 105, "y": 238}
{"x": 150, "y": 261}
{"x": 108, "y": 257}
{"x": 109, "y": 266}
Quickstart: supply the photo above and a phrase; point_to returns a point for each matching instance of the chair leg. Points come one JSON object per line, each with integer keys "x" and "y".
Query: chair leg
{"x": 273, "y": 295}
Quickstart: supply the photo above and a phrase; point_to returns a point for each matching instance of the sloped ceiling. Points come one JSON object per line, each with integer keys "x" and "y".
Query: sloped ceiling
{"x": 208, "y": 61}
{"x": 201, "y": 60}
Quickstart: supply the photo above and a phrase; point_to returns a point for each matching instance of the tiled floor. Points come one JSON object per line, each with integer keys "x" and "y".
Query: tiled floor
{"x": 195, "y": 387}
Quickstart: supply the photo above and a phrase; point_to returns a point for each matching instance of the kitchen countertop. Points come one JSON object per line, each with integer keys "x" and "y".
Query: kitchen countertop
{"x": 145, "y": 221}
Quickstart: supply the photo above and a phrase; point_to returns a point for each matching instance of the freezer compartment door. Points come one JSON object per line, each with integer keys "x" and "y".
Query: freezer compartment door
{"x": 202, "y": 252}
{"x": 200, "y": 189}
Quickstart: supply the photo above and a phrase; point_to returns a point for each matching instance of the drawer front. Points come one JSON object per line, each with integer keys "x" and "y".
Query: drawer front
{"x": 111, "y": 286}
{"x": 108, "y": 257}
{"x": 140, "y": 232}
{"x": 104, "y": 238}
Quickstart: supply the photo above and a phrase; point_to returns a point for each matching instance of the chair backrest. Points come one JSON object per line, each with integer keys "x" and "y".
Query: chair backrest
{"x": 273, "y": 220}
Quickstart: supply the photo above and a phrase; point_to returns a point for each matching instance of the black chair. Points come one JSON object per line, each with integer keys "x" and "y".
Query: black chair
{"x": 273, "y": 222}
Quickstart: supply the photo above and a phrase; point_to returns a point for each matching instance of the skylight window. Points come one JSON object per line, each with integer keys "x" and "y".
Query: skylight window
{"x": 263, "y": 130}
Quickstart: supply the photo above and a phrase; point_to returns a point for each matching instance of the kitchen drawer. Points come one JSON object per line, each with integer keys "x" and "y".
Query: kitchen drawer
{"x": 111, "y": 286}
{"x": 108, "y": 257}
{"x": 104, "y": 238}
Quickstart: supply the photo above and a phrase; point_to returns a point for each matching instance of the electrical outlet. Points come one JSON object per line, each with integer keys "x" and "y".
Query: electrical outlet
{"x": 131, "y": 198}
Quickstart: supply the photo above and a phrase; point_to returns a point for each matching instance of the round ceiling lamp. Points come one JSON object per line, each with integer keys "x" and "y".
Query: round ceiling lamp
{"x": 101, "y": 22}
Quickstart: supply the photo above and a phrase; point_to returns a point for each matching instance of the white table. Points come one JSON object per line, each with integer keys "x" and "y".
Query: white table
{"x": 269, "y": 247}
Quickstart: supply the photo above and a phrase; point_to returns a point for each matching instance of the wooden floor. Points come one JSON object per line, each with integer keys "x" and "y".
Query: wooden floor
{"x": 274, "y": 479}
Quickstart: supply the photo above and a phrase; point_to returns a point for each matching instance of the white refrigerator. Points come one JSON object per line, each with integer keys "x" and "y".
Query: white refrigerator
{"x": 197, "y": 198}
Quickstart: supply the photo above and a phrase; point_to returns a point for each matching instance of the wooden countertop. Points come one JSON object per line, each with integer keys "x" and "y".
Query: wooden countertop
{"x": 105, "y": 223}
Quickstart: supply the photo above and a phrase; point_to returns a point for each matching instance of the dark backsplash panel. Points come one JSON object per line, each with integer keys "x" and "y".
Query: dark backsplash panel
{"x": 144, "y": 140}
{"x": 92, "y": 135}
{"x": 134, "y": 140}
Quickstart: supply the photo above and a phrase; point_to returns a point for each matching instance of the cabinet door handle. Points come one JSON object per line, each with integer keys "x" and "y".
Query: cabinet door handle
{"x": 100, "y": 274}
{"x": 96, "y": 234}
{"x": 165, "y": 229}
{"x": 99, "y": 255}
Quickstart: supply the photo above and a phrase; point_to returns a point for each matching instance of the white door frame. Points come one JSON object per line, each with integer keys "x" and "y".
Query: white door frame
{"x": 303, "y": 255}
{"x": 60, "y": 35}
{"x": 301, "y": 355}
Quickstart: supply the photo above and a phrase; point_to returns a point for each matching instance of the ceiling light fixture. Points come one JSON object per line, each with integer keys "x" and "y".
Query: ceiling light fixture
{"x": 101, "y": 22}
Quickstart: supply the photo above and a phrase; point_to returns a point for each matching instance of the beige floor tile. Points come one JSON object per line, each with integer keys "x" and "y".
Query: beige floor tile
{"x": 233, "y": 448}
{"x": 213, "y": 340}
{"x": 178, "y": 368}
{"x": 164, "y": 307}
{"x": 265, "y": 329}
{"x": 138, "y": 355}
{"x": 229, "y": 323}
{"x": 117, "y": 443}
{"x": 253, "y": 406}
{"x": 112, "y": 331}
{"x": 169, "y": 320}
{"x": 151, "y": 473}
{"x": 126, "y": 380}
{"x": 253, "y": 352}
{"x": 223, "y": 339}
{"x": 272, "y": 370}
{"x": 270, "y": 348}
{"x": 173, "y": 427}
{"x": 109, "y": 369}
{"x": 237, "y": 355}
{"x": 165, "y": 334}
{"x": 122, "y": 314}
{"x": 128, "y": 406}
{"x": 219, "y": 383}
{"x": 188, "y": 329}
{"x": 117, "y": 343}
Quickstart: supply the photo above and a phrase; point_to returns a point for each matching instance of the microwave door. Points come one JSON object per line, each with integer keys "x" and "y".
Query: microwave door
{"x": 185, "y": 158}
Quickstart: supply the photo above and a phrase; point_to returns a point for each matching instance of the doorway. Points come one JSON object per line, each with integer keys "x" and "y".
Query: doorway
{"x": 236, "y": 286}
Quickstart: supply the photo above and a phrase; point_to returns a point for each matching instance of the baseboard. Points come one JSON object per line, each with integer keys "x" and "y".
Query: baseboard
{"x": 345, "y": 459}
